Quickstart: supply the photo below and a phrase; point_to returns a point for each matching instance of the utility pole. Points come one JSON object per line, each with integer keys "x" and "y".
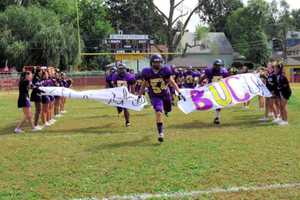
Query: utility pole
{"x": 78, "y": 31}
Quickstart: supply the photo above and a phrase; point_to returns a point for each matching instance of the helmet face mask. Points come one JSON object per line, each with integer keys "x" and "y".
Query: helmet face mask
{"x": 156, "y": 61}
{"x": 218, "y": 64}
{"x": 156, "y": 65}
{"x": 121, "y": 70}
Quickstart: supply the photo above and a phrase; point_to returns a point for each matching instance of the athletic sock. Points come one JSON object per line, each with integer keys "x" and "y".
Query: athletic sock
{"x": 218, "y": 114}
{"x": 160, "y": 127}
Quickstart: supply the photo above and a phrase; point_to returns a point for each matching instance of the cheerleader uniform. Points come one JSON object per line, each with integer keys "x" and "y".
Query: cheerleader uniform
{"x": 23, "y": 100}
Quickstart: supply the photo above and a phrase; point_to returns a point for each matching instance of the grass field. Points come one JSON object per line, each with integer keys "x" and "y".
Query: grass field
{"x": 89, "y": 153}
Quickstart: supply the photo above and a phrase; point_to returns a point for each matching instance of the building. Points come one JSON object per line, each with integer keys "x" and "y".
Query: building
{"x": 292, "y": 64}
{"x": 293, "y": 38}
{"x": 203, "y": 53}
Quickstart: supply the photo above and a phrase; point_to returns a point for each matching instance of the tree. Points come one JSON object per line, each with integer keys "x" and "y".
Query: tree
{"x": 246, "y": 28}
{"x": 137, "y": 17}
{"x": 94, "y": 28}
{"x": 35, "y": 36}
{"x": 216, "y": 12}
{"x": 174, "y": 35}
{"x": 201, "y": 32}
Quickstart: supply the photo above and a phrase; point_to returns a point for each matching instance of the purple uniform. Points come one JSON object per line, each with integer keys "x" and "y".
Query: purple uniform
{"x": 158, "y": 89}
{"x": 51, "y": 83}
{"x": 190, "y": 77}
{"x": 215, "y": 75}
{"x": 179, "y": 78}
{"x": 123, "y": 80}
{"x": 126, "y": 80}
{"x": 36, "y": 93}
{"x": 23, "y": 100}
{"x": 45, "y": 98}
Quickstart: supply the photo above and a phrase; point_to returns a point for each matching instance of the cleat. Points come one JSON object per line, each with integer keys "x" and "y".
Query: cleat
{"x": 161, "y": 137}
{"x": 217, "y": 121}
{"x": 127, "y": 124}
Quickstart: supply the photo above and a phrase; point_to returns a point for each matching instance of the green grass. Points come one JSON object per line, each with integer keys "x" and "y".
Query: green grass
{"x": 89, "y": 153}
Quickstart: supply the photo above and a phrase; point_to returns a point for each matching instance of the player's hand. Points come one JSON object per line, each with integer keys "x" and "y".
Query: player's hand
{"x": 181, "y": 96}
{"x": 139, "y": 98}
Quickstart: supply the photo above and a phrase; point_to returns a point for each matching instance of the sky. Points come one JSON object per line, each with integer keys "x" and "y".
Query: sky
{"x": 189, "y": 4}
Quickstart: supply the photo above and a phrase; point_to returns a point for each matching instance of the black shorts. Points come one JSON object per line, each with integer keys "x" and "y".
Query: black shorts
{"x": 23, "y": 102}
{"x": 286, "y": 94}
{"x": 45, "y": 99}
{"x": 35, "y": 98}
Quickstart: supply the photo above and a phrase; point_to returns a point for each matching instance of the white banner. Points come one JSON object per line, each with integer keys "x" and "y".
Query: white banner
{"x": 119, "y": 97}
{"x": 225, "y": 93}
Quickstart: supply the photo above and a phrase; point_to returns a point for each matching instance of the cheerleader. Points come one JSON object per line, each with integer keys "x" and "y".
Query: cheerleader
{"x": 271, "y": 102}
{"x": 51, "y": 83}
{"x": 36, "y": 95}
{"x": 285, "y": 92}
{"x": 57, "y": 100}
{"x": 24, "y": 102}
{"x": 45, "y": 100}
{"x": 263, "y": 76}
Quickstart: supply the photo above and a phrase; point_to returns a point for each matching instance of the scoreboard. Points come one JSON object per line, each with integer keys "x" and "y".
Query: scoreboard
{"x": 128, "y": 43}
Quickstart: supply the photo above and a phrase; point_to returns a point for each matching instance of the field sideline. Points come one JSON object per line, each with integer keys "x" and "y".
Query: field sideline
{"x": 89, "y": 153}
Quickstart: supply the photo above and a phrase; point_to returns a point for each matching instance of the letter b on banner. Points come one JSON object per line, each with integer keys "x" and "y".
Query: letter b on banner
{"x": 200, "y": 102}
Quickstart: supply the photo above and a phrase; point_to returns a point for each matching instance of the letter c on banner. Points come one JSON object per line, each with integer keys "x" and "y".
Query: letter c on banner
{"x": 218, "y": 98}
{"x": 201, "y": 103}
{"x": 247, "y": 95}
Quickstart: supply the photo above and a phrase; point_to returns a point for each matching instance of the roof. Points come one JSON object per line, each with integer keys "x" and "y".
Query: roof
{"x": 293, "y": 61}
{"x": 293, "y": 35}
{"x": 159, "y": 48}
{"x": 293, "y": 48}
{"x": 188, "y": 61}
{"x": 213, "y": 43}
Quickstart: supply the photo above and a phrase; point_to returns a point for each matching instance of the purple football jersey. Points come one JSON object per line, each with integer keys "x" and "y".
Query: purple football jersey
{"x": 215, "y": 75}
{"x": 190, "y": 79}
{"x": 123, "y": 80}
{"x": 158, "y": 81}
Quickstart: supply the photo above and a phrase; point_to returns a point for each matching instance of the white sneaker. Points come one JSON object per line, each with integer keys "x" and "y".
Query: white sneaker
{"x": 18, "y": 130}
{"x": 47, "y": 124}
{"x": 58, "y": 116}
{"x": 264, "y": 119}
{"x": 283, "y": 123}
{"x": 271, "y": 114}
{"x": 37, "y": 128}
{"x": 52, "y": 121}
{"x": 63, "y": 111}
{"x": 277, "y": 120}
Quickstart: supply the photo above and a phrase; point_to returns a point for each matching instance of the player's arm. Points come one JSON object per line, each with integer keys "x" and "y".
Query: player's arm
{"x": 174, "y": 84}
{"x": 202, "y": 78}
{"x": 143, "y": 87}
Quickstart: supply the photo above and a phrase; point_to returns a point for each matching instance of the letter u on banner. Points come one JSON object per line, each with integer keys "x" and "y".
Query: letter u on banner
{"x": 217, "y": 96}
{"x": 246, "y": 97}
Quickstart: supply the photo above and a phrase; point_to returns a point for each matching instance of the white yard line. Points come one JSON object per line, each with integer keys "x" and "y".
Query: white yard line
{"x": 197, "y": 193}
